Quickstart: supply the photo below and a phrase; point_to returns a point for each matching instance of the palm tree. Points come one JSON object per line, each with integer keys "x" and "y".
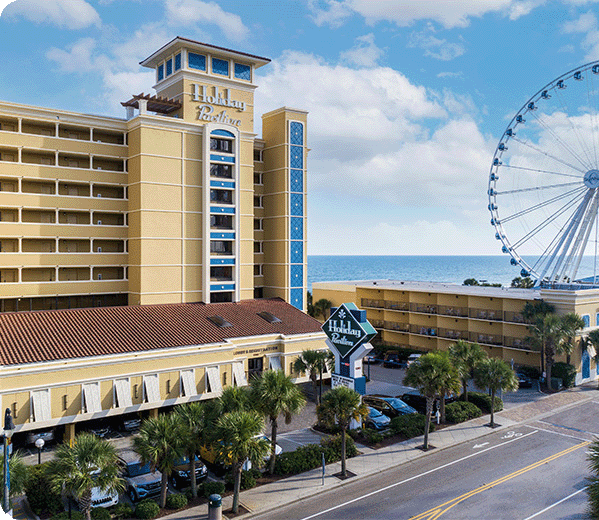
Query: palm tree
{"x": 233, "y": 399}
{"x": 90, "y": 462}
{"x": 465, "y": 356}
{"x": 340, "y": 406}
{"x": 593, "y": 488}
{"x": 321, "y": 307}
{"x": 192, "y": 428}
{"x": 18, "y": 473}
{"x": 572, "y": 324}
{"x": 238, "y": 433}
{"x": 533, "y": 313}
{"x": 433, "y": 375}
{"x": 159, "y": 444}
{"x": 593, "y": 339}
{"x": 274, "y": 394}
{"x": 495, "y": 374}
{"x": 314, "y": 362}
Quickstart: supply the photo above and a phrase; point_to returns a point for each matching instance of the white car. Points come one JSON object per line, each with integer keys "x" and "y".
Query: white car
{"x": 247, "y": 465}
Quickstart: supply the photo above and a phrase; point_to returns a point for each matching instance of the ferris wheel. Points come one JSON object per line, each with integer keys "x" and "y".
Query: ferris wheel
{"x": 544, "y": 180}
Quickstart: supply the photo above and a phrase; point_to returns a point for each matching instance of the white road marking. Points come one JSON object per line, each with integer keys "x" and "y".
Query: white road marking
{"x": 391, "y": 486}
{"x": 556, "y": 503}
{"x": 476, "y": 446}
{"x": 560, "y": 433}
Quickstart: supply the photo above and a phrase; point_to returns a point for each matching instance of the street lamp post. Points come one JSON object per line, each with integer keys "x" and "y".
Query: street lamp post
{"x": 39, "y": 444}
{"x": 9, "y": 426}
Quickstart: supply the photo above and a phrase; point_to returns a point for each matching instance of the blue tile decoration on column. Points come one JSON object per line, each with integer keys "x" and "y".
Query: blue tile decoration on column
{"x": 297, "y": 252}
{"x": 297, "y": 181}
{"x": 296, "y": 133}
{"x": 296, "y": 159}
{"x": 297, "y": 298}
{"x": 297, "y": 228}
{"x": 224, "y": 133}
{"x": 297, "y": 275}
{"x": 297, "y": 204}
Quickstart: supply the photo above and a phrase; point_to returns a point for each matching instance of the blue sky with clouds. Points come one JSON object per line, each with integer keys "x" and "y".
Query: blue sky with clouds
{"x": 407, "y": 98}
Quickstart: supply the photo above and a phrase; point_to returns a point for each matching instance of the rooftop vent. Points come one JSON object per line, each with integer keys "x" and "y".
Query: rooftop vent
{"x": 219, "y": 321}
{"x": 270, "y": 318}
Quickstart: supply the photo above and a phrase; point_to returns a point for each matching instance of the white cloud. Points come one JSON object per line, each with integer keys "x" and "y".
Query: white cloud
{"x": 586, "y": 23}
{"x": 66, "y": 14}
{"x": 364, "y": 54}
{"x": 435, "y": 47}
{"x": 448, "y": 13}
{"x": 456, "y": 75}
{"x": 190, "y": 12}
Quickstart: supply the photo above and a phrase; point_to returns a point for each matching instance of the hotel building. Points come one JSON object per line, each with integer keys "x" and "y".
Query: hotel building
{"x": 430, "y": 316}
{"x": 166, "y": 250}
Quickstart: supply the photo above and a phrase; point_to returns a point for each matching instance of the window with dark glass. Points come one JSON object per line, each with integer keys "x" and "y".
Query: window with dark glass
{"x": 221, "y": 247}
{"x": 220, "y": 67}
{"x": 255, "y": 366}
{"x": 221, "y": 145}
{"x": 258, "y": 155}
{"x": 221, "y": 297}
{"x": 221, "y": 170}
{"x": 243, "y": 71}
{"x": 221, "y": 221}
{"x": 160, "y": 72}
{"x": 221, "y": 273}
{"x": 221, "y": 196}
{"x": 258, "y": 224}
{"x": 258, "y": 292}
{"x": 169, "y": 67}
{"x": 196, "y": 61}
{"x": 257, "y": 201}
{"x": 258, "y": 247}
{"x": 178, "y": 61}
{"x": 258, "y": 178}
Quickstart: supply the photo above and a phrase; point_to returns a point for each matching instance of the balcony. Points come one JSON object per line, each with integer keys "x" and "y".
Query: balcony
{"x": 425, "y": 308}
{"x": 399, "y": 327}
{"x": 513, "y": 317}
{"x": 453, "y": 334}
{"x": 486, "y": 314}
{"x": 377, "y": 304}
{"x": 486, "y": 339}
{"x": 377, "y": 324}
{"x": 397, "y": 306}
{"x": 459, "y": 312}
{"x": 423, "y": 331}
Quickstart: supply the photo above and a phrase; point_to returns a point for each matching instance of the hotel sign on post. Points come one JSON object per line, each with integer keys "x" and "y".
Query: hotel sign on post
{"x": 348, "y": 333}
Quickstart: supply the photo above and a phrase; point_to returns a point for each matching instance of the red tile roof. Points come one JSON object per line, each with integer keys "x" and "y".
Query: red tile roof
{"x": 32, "y": 337}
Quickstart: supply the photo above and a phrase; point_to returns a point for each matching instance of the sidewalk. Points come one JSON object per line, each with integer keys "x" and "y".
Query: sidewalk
{"x": 269, "y": 497}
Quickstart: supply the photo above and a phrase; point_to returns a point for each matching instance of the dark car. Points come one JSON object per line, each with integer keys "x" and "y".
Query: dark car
{"x": 180, "y": 477}
{"x": 392, "y": 360}
{"x": 523, "y": 380}
{"x": 376, "y": 420}
{"x": 373, "y": 357}
{"x": 390, "y": 406}
{"x": 417, "y": 401}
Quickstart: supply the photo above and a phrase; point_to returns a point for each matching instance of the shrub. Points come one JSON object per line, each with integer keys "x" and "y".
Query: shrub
{"x": 531, "y": 372}
{"x": 40, "y": 495}
{"x": 176, "y": 501}
{"x": 483, "y": 401}
{"x": 147, "y": 509}
{"x": 461, "y": 411}
{"x": 564, "y": 371}
{"x": 409, "y": 426}
{"x": 122, "y": 510}
{"x": 99, "y": 513}
{"x": 248, "y": 481}
{"x": 75, "y": 515}
{"x": 211, "y": 488}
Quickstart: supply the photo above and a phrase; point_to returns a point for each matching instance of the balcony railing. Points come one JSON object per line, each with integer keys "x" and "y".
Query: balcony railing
{"x": 460, "y": 312}
{"x": 423, "y": 331}
{"x": 513, "y": 317}
{"x": 393, "y": 325}
{"x": 486, "y": 314}
{"x": 377, "y": 324}
{"x": 397, "y": 306}
{"x": 377, "y": 304}
{"x": 486, "y": 339}
{"x": 424, "y": 307}
{"x": 453, "y": 334}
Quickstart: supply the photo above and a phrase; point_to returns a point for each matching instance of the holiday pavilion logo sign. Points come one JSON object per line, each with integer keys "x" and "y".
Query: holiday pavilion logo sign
{"x": 347, "y": 328}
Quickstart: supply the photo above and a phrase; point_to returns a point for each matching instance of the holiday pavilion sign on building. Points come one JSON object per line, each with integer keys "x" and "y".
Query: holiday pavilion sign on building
{"x": 349, "y": 333}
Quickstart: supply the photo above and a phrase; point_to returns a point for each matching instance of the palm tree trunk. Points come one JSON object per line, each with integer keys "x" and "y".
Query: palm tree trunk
{"x": 343, "y": 468}
{"x": 85, "y": 504}
{"x": 315, "y": 386}
{"x": 548, "y": 370}
{"x": 465, "y": 389}
{"x": 163, "y": 489}
{"x": 273, "y": 444}
{"x": 442, "y": 409}
{"x": 492, "y": 408}
{"x": 192, "y": 467}
{"x": 237, "y": 467}
{"x": 427, "y": 423}
{"x": 320, "y": 389}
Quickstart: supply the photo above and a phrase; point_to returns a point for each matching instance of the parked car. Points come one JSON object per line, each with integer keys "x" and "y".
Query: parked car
{"x": 390, "y": 406}
{"x": 376, "y": 420}
{"x": 412, "y": 358}
{"x": 46, "y": 435}
{"x": 392, "y": 360}
{"x": 101, "y": 498}
{"x": 131, "y": 423}
{"x": 373, "y": 357}
{"x": 523, "y": 380}
{"x": 181, "y": 475}
{"x": 140, "y": 480}
{"x": 417, "y": 401}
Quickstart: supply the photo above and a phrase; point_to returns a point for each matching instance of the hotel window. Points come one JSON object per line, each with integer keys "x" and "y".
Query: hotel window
{"x": 257, "y": 155}
{"x": 221, "y": 221}
{"x": 220, "y": 67}
{"x": 221, "y": 170}
{"x": 587, "y": 320}
{"x": 221, "y": 196}
{"x": 258, "y": 179}
{"x": 221, "y": 247}
{"x": 169, "y": 67}
{"x": 160, "y": 72}
{"x": 258, "y": 201}
{"x": 258, "y": 224}
{"x": 196, "y": 61}
{"x": 258, "y": 270}
{"x": 258, "y": 249}
{"x": 243, "y": 71}
{"x": 178, "y": 61}
{"x": 221, "y": 145}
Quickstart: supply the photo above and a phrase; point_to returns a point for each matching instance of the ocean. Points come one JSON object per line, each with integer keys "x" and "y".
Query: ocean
{"x": 451, "y": 269}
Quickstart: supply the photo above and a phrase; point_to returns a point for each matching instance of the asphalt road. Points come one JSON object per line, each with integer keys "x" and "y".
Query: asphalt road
{"x": 506, "y": 475}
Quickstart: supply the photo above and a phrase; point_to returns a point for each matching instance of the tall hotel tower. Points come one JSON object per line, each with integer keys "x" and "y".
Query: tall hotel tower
{"x": 179, "y": 202}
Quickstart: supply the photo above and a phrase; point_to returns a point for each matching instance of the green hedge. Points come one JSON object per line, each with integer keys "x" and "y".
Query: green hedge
{"x": 176, "y": 501}
{"x": 211, "y": 488}
{"x": 309, "y": 456}
{"x": 42, "y": 499}
{"x": 460, "y": 411}
{"x": 99, "y": 513}
{"x": 248, "y": 479}
{"x": 483, "y": 401}
{"x": 122, "y": 511}
{"x": 147, "y": 509}
{"x": 531, "y": 372}
{"x": 75, "y": 515}
{"x": 566, "y": 372}
{"x": 409, "y": 426}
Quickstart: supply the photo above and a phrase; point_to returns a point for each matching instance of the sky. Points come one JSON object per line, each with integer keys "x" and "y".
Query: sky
{"x": 407, "y": 99}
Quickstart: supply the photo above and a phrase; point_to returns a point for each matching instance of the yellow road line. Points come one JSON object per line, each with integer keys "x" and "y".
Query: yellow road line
{"x": 436, "y": 512}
